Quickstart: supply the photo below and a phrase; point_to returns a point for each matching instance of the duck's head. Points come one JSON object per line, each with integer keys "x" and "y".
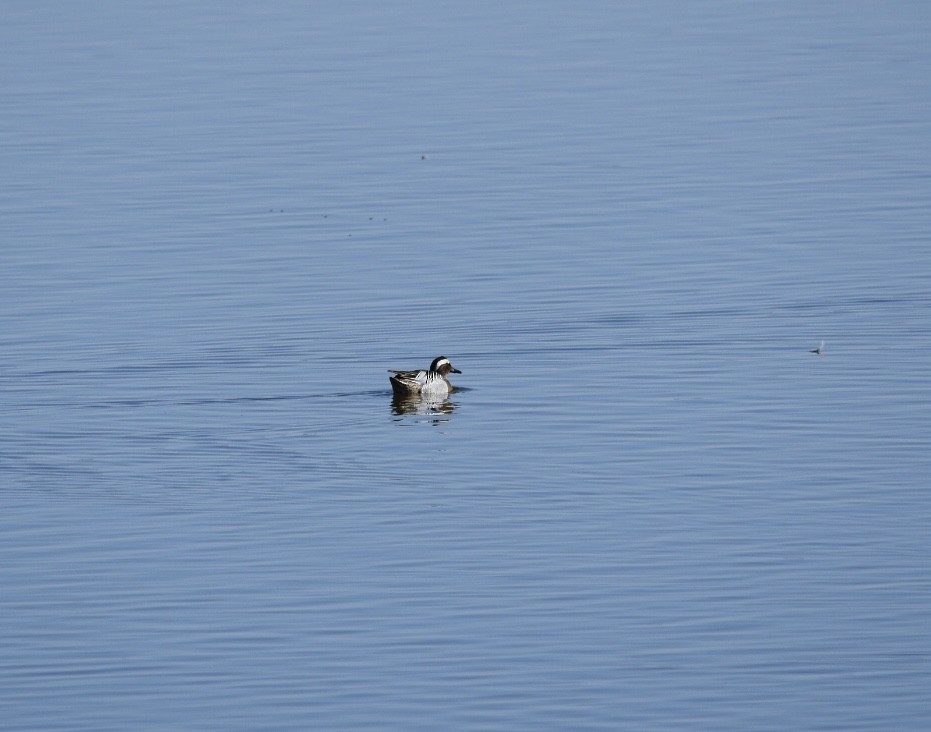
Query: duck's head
{"x": 442, "y": 365}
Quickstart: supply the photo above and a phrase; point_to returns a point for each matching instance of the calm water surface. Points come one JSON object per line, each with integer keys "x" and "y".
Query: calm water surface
{"x": 649, "y": 507}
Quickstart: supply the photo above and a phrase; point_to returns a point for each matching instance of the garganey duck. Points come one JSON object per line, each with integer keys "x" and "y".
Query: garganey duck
{"x": 431, "y": 383}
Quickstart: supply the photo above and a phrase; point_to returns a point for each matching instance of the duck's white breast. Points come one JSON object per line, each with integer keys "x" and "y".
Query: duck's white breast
{"x": 435, "y": 387}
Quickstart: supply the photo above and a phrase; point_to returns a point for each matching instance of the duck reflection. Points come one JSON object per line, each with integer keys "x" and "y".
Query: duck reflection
{"x": 422, "y": 406}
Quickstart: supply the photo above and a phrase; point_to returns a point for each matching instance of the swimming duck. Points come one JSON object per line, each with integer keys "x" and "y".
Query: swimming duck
{"x": 430, "y": 383}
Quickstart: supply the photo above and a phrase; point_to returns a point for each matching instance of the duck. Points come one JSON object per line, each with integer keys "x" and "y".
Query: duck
{"x": 432, "y": 382}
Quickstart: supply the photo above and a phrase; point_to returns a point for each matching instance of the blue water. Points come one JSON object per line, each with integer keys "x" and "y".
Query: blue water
{"x": 648, "y": 507}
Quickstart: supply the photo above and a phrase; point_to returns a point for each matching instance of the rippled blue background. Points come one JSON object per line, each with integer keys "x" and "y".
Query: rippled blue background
{"x": 626, "y": 223}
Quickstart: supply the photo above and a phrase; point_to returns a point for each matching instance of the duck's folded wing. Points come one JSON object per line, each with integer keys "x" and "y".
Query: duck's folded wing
{"x": 411, "y": 377}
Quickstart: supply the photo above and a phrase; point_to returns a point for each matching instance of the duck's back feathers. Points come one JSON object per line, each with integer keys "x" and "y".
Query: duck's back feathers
{"x": 408, "y": 382}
